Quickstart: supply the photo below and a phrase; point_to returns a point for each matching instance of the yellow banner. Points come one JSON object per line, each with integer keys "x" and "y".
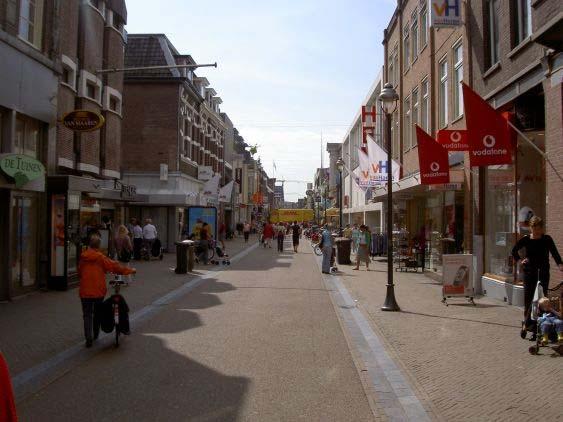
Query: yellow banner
{"x": 291, "y": 215}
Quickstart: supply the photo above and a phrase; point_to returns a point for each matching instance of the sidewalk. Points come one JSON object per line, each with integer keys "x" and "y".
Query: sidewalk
{"x": 469, "y": 362}
{"x": 42, "y": 324}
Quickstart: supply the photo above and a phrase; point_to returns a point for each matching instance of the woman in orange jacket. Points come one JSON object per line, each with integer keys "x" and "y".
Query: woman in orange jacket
{"x": 92, "y": 272}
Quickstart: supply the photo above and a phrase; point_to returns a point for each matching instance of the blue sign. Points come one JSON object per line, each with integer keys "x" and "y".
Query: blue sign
{"x": 205, "y": 214}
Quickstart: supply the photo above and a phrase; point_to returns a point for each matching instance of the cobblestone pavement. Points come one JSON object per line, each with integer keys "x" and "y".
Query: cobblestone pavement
{"x": 35, "y": 327}
{"x": 258, "y": 342}
{"x": 469, "y": 362}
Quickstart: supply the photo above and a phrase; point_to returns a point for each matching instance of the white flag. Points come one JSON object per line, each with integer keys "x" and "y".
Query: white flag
{"x": 364, "y": 170}
{"x": 378, "y": 164}
{"x": 226, "y": 192}
{"x": 211, "y": 187}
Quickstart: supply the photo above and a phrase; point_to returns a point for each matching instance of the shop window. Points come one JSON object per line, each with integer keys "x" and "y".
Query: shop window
{"x": 31, "y": 22}
{"x": 458, "y": 78}
{"x": 514, "y": 193}
{"x": 27, "y": 137}
{"x": 443, "y": 94}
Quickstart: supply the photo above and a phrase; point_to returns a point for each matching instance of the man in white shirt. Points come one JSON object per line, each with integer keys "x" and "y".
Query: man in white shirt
{"x": 137, "y": 233}
{"x": 149, "y": 234}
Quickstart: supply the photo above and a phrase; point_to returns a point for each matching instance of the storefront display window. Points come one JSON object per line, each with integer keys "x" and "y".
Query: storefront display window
{"x": 58, "y": 236}
{"x": 24, "y": 241}
{"x": 514, "y": 193}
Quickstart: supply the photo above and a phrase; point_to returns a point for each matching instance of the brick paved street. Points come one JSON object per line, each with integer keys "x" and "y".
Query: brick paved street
{"x": 469, "y": 362}
{"x": 40, "y": 325}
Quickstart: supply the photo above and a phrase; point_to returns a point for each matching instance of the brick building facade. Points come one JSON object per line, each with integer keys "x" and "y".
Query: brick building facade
{"x": 85, "y": 189}
{"x": 426, "y": 66}
{"x": 517, "y": 65}
{"x": 173, "y": 130}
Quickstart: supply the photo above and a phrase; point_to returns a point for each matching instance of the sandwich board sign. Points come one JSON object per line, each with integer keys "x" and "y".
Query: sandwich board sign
{"x": 457, "y": 276}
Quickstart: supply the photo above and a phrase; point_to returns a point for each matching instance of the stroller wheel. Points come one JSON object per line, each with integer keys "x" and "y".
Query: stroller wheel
{"x": 534, "y": 350}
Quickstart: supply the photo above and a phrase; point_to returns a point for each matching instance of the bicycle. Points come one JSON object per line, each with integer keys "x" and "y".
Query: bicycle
{"x": 116, "y": 300}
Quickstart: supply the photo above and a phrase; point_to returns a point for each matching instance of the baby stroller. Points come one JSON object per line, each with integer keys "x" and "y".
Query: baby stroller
{"x": 156, "y": 251}
{"x": 555, "y": 296}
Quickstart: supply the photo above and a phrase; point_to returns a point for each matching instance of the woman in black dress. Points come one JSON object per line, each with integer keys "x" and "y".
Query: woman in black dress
{"x": 533, "y": 252}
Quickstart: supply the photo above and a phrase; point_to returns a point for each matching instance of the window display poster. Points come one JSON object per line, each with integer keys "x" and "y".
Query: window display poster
{"x": 58, "y": 235}
{"x": 206, "y": 214}
{"x": 457, "y": 275}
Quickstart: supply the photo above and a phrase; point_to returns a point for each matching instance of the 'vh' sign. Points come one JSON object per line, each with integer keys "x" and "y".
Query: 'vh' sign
{"x": 445, "y": 13}
{"x": 368, "y": 125}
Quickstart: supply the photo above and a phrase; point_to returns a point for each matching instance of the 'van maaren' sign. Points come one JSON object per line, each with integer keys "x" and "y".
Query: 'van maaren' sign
{"x": 21, "y": 168}
{"x": 83, "y": 120}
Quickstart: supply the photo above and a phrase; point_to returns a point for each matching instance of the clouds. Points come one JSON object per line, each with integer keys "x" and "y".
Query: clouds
{"x": 296, "y": 62}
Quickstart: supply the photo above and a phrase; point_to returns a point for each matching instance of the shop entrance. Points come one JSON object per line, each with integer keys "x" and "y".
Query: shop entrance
{"x": 23, "y": 242}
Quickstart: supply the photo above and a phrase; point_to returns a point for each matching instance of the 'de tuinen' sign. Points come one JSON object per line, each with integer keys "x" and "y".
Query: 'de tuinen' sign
{"x": 83, "y": 120}
{"x": 21, "y": 168}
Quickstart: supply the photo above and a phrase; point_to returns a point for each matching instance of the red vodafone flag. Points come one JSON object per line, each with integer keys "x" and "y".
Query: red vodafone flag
{"x": 489, "y": 133}
{"x": 453, "y": 140}
{"x": 433, "y": 160}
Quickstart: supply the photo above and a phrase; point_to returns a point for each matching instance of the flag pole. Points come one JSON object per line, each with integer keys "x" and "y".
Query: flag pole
{"x": 543, "y": 154}
{"x": 519, "y": 132}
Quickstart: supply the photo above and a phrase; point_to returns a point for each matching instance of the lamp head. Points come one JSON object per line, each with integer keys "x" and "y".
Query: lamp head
{"x": 340, "y": 164}
{"x": 388, "y": 99}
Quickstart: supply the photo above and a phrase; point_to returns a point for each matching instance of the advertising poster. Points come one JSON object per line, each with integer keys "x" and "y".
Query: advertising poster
{"x": 58, "y": 235}
{"x": 206, "y": 214}
{"x": 457, "y": 275}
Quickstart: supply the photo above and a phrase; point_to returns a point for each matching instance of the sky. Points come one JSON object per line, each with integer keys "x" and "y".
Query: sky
{"x": 288, "y": 71}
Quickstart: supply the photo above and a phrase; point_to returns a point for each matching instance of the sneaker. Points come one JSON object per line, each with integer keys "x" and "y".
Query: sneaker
{"x": 544, "y": 340}
{"x": 560, "y": 337}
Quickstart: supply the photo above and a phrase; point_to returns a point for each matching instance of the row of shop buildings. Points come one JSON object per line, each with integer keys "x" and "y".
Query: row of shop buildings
{"x": 510, "y": 53}
{"x": 163, "y": 135}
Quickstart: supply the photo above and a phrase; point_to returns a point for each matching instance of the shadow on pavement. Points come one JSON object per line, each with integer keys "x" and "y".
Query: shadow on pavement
{"x": 149, "y": 377}
{"x": 460, "y": 319}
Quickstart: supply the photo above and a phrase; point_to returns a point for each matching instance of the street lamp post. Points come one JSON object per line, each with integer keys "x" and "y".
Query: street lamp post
{"x": 340, "y": 167}
{"x": 325, "y": 197}
{"x": 388, "y": 99}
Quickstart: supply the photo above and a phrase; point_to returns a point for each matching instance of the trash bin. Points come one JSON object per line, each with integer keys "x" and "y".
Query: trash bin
{"x": 343, "y": 245}
{"x": 182, "y": 249}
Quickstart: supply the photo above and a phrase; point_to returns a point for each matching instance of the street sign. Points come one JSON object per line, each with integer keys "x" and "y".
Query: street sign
{"x": 21, "y": 168}
{"x": 83, "y": 120}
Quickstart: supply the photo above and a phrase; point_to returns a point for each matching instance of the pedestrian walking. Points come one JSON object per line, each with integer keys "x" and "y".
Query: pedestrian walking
{"x": 7, "y": 402}
{"x": 532, "y": 251}
{"x": 149, "y": 235}
{"x": 92, "y": 274}
{"x": 246, "y": 231}
{"x": 268, "y": 234}
{"x": 296, "y": 232}
{"x": 280, "y": 235}
{"x": 355, "y": 238}
{"x": 326, "y": 248}
{"x": 123, "y": 247}
{"x": 363, "y": 247}
{"x": 204, "y": 237}
{"x": 137, "y": 239}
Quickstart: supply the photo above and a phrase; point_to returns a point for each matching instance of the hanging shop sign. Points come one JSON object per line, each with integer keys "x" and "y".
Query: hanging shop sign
{"x": 445, "y": 13}
{"x": 83, "y": 120}
{"x": 204, "y": 173}
{"x": 21, "y": 168}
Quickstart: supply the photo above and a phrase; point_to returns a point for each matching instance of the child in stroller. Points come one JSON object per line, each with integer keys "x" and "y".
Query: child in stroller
{"x": 550, "y": 322}
{"x": 152, "y": 250}
{"x": 546, "y": 316}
